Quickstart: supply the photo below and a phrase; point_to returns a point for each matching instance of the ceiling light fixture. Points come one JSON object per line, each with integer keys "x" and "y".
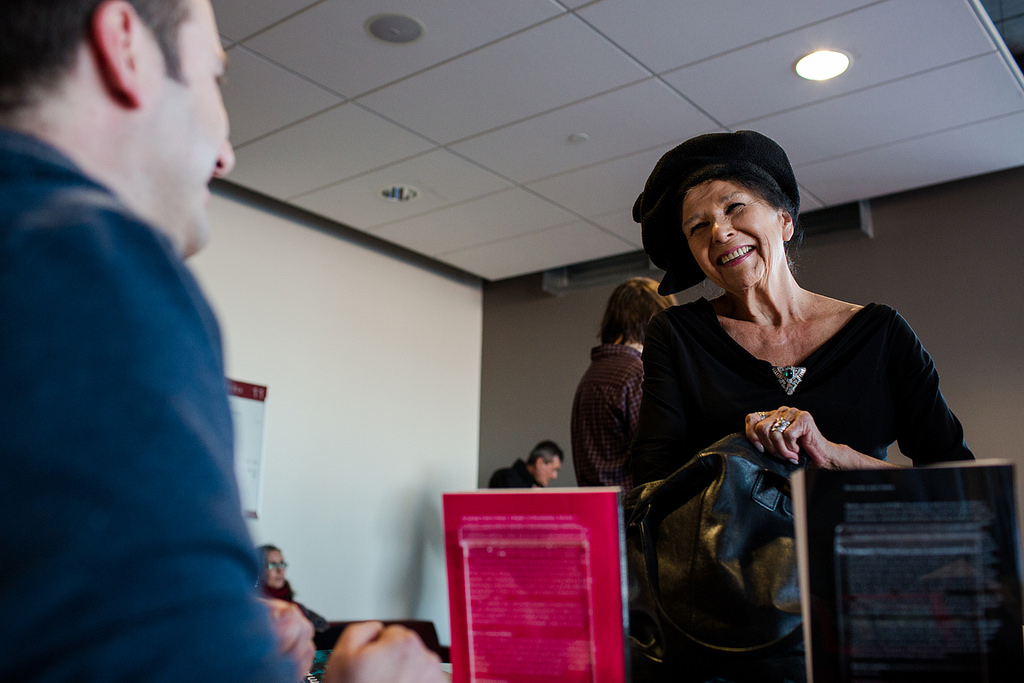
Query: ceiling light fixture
{"x": 394, "y": 28}
{"x": 822, "y": 65}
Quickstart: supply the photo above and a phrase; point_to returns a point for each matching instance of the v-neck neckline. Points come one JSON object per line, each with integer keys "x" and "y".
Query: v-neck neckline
{"x": 807, "y": 362}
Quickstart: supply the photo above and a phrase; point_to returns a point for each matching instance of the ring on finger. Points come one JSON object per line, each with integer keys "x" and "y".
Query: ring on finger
{"x": 761, "y": 415}
{"x": 780, "y": 425}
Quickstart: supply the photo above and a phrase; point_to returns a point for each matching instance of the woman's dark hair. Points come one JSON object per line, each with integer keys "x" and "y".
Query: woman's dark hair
{"x": 39, "y": 41}
{"x": 630, "y": 308}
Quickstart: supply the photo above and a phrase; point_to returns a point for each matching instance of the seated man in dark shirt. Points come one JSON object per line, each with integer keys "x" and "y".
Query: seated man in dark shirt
{"x": 537, "y": 472}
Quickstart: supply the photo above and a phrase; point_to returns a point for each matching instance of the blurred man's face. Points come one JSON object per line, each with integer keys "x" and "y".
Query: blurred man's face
{"x": 546, "y": 472}
{"x": 191, "y": 133}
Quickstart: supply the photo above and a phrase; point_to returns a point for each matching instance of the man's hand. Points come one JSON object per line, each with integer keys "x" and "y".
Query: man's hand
{"x": 293, "y": 633}
{"x": 367, "y": 652}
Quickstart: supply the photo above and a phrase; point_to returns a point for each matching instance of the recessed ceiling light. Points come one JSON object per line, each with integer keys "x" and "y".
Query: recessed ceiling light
{"x": 394, "y": 28}
{"x": 399, "y": 193}
{"x": 822, "y": 65}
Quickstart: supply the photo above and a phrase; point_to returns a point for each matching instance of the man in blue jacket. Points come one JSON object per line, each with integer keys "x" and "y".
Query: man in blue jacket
{"x": 127, "y": 558}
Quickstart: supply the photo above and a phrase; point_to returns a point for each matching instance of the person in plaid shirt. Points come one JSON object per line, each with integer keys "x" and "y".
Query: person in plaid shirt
{"x": 607, "y": 402}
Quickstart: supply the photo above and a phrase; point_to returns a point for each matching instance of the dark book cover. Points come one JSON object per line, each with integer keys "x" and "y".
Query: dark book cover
{"x": 910, "y": 574}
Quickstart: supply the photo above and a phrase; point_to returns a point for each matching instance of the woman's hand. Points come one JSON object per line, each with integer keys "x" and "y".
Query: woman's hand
{"x": 786, "y": 433}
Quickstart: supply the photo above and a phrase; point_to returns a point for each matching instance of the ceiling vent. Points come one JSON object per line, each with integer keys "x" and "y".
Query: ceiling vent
{"x": 837, "y": 222}
{"x": 399, "y": 193}
{"x": 606, "y": 271}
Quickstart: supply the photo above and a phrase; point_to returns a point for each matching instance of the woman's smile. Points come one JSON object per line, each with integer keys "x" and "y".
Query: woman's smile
{"x": 735, "y": 255}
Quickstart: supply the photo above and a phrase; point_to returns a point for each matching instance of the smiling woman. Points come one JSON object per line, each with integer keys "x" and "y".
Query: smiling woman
{"x": 807, "y": 378}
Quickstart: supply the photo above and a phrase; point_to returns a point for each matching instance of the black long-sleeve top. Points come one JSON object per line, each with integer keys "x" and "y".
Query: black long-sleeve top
{"x": 871, "y": 384}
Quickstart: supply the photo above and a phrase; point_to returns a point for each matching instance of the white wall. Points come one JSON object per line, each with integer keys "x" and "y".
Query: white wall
{"x": 373, "y": 368}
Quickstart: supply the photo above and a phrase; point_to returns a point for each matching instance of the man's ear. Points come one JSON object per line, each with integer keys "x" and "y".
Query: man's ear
{"x": 117, "y": 37}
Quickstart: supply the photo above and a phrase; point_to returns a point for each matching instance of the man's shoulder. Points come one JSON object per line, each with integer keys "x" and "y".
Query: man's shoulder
{"x": 43, "y": 193}
{"x": 514, "y": 477}
{"x": 29, "y": 165}
{"x": 612, "y": 364}
{"x": 108, "y": 274}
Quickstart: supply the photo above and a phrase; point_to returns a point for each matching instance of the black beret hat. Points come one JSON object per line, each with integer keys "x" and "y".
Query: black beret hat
{"x": 699, "y": 159}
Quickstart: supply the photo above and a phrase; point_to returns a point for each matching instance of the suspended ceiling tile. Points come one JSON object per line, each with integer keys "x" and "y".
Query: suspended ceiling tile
{"x": 620, "y": 223}
{"x": 761, "y": 79}
{"x": 495, "y": 217}
{"x": 556, "y": 63}
{"x": 262, "y": 97}
{"x": 808, "y": 202}
{"x": 238, "y": 19}
{"x": 604, "y": 187}
{"x": 638, "y": 116}
{"x": 330, "y": 44}
{"x": 538, "y": 250}
{"x": 329, "y": 147}
{"x": 440, "y": 178}
{"x": 927, "y": 160}
{"x": 666, "y": 34}
{"x": 933, "y": 101}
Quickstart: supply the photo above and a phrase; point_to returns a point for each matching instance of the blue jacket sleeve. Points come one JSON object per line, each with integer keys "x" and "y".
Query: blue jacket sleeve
{"x": 128, "y": 558}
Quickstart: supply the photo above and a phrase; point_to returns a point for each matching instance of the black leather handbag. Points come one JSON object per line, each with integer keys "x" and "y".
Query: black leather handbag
{"x": 714, "y": 592}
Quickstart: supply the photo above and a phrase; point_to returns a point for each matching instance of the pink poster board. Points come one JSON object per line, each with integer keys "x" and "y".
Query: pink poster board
{"x": 536, "y": 585}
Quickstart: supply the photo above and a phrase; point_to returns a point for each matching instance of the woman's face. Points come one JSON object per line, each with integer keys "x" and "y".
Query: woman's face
{"x": 275, "y": 569}
{"x": 737, "y": 238}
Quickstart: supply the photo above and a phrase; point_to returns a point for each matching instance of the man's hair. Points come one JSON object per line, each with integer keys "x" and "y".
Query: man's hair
{"x": 39, "y": 41}
{"x": 546, "y": 451}
{"x": 630, "y": 308}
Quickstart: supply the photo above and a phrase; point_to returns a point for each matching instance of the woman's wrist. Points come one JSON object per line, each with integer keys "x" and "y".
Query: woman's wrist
{"x": 850, "y": 459}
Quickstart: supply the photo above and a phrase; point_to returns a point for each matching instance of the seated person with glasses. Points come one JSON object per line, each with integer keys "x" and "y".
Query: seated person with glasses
{"x": 273, "y": 584}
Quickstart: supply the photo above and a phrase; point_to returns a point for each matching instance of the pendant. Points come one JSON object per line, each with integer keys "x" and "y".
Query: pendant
{"x": 789, "y": 377}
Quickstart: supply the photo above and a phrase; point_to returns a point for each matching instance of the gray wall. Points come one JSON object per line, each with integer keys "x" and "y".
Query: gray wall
{"x": 947, "y": 257}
